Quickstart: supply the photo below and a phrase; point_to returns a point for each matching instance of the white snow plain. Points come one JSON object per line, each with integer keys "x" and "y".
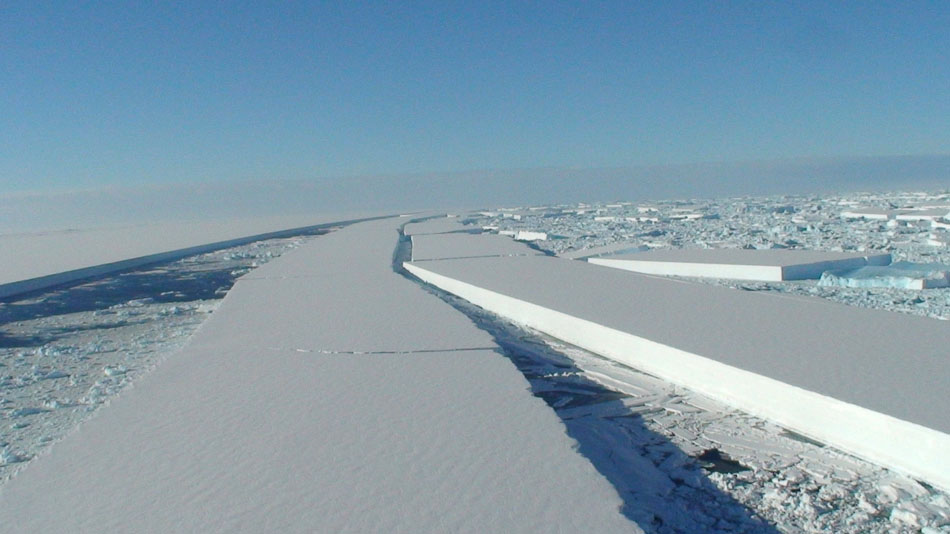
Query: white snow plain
{"x": 30, "y": 261}
{"x": 327, "y": 393}
{"x": 782, "y": 358}
{"x": 438, "y": 246}
{"x": 773, "y": 265}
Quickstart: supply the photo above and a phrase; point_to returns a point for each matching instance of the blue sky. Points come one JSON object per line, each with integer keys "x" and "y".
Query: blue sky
{"x": 120, "y": 93}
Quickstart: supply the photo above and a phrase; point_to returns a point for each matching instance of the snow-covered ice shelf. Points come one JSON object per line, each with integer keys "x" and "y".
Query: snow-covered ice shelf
{"x": 435, "y": 225}
{"x": 437, "y": 246}
{"x": 784, "y": 359}
{"x": 327, "y": 393}
{"x": 766, "y": 265}
{"x": 620, "y": 416}
{"x": 34, "y": 261}
{"x": 65, "y": 352}
{"x": 659, "y": 443}
{"x": 908, "y": 214}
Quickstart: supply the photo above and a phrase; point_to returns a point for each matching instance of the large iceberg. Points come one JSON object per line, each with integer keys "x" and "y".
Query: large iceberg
{"x": 900, "y": 275}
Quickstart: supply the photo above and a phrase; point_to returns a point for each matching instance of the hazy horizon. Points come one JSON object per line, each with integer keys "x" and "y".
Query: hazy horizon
{"x": 108, "y": 205}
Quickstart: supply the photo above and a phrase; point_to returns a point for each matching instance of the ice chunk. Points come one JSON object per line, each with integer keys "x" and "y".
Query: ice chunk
{"x": 939, "y": 240}
{"x": 8, "y": 457}
{"x": 524, "y": 235}
{"x": 23, "y": 412}
{"x": 52, "y": 375}
{"x": 114, "y": 370}
{"x": 900, "y": 275}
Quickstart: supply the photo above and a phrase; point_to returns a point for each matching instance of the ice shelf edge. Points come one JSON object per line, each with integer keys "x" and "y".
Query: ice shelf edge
{"x": 876, "y": 437}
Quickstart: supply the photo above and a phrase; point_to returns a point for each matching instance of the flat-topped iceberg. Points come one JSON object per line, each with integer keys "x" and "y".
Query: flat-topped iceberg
{"x": 899, "y": 275}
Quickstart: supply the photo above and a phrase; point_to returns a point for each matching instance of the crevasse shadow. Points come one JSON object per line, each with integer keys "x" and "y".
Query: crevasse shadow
{"x": 664, "y": 490}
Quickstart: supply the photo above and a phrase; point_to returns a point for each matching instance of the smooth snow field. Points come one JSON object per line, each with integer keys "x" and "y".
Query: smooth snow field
{"x": 32, "y": 261}
{"x": 768, "y": 265}
{"x": 326, "y": 393}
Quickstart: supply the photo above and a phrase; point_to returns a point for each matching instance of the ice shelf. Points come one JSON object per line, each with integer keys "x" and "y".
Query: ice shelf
{"x": 443, "y": 246}
{"x": 33, "y": 261}
{"x": 606, "y": 250}
{"x": 326, "y": 394}
{"x": 437, "y": 225}
{"x": 914, "y": 214}
{"x": 869, "y": 382}
{"x": 773, "y": 265}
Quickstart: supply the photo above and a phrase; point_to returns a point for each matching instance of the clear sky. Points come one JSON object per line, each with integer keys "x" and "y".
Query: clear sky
{"x": 107, "y": 93}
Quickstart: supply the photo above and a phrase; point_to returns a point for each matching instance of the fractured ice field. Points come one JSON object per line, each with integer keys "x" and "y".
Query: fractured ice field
{"x": 679, "y": 461}
{"x": 773, "y": 223}
{"x": 806, "y": 223}
{"x": 64, "y": 352}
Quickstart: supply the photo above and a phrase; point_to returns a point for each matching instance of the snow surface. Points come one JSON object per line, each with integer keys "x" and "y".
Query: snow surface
{"x": 606, "y": 250}
{"x": 799, "y": 485}
{"x": 664, "y": 446}
{"x": 31, "y": 261}
{"x": 767, "y": 265}
{"x": 440, "y": 246}
{"x": 525, "y": 235}
{"x": 912, "y": 214}
{"x": 330, "y": 394}
{"x": 791, "y": 341}
{"x": 69, "y": 350}
{"x": 768, "y": 257}
{"x": 436, "y": 225}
